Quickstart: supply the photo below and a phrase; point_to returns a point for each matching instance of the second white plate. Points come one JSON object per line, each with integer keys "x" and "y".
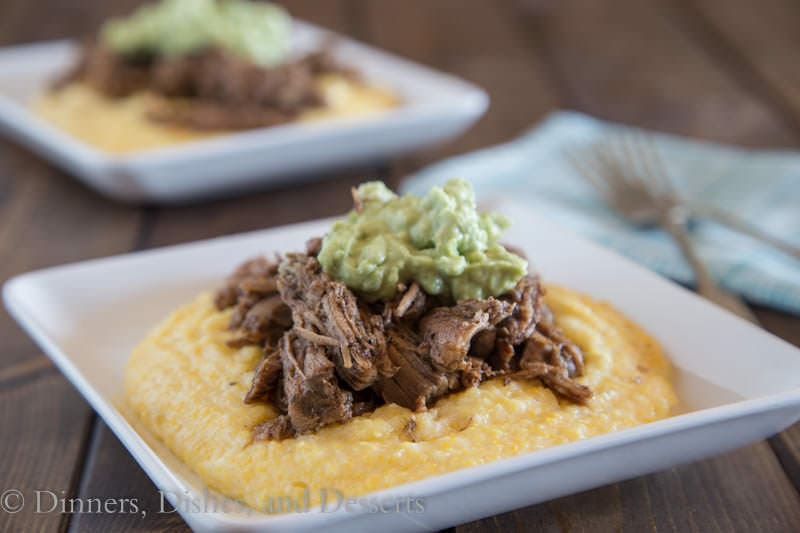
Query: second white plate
{"x": 435, "y": 107}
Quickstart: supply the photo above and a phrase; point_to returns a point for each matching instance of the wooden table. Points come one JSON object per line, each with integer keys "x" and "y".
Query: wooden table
{"x": 718, "y": 69}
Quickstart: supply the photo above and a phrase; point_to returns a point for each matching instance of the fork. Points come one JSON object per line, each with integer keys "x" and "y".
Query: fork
{"x": 627, "y": 172}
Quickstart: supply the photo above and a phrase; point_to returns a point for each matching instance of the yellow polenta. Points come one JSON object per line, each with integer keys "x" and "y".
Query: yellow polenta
{"x": 186, "y": 385}
{"x": 121, "y": 125}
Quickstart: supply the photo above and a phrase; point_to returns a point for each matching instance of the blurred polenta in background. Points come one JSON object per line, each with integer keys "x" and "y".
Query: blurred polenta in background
{"x": 186, "y": 69}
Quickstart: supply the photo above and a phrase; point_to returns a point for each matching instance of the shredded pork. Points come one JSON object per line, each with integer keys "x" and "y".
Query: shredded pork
{"x": 329, "y": 356}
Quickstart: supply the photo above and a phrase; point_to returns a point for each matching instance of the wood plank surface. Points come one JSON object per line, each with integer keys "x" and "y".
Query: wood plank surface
{"x": 758, "y": 44}
{"x": 44, "y": 425}
{"x": 707, "y": 496}
{"x": 474, "y": 40}
{"x": 786, "y": 445}
{"x": 111, "y": 472}
{"x": 651, "y": 64}
{"x": 636, "y": 62}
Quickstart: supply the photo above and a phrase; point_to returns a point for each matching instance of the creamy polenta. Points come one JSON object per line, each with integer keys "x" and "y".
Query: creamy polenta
{"x": 186, "y": 385}
{"x": 121, "y": 125}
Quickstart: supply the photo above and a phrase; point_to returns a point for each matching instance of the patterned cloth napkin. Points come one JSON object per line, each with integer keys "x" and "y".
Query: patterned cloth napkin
{"x": 761, "y": 187}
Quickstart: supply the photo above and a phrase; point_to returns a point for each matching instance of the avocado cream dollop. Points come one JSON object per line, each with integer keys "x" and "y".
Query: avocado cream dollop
{"x": 440, "y": 241}
{"x": 259, "y": 32}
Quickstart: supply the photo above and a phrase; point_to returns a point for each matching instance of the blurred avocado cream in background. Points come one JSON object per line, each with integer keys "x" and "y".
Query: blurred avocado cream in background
{"x": 259, "y": 32}
{"x": 439, "y": 240}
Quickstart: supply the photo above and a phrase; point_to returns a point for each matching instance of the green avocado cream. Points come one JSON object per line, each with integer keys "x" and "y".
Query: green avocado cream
{"x": 440, "y": 241}
{"x": 259, "y": 32}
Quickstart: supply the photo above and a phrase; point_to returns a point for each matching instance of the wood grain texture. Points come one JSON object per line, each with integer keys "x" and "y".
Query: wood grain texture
{"x": 39, "y": 215}
{"x": 474, "y": 40}
{"x": 636, "y": 62}
{"x": 655, "y": 64}
{"x": 25, "y": 21}
{"x": 44, "y": 425}
{"x": 787, "y": 444}
{"x": 757, "y": 42}
{"x": 708, "y": 496}
{"x": 123, "y": 480}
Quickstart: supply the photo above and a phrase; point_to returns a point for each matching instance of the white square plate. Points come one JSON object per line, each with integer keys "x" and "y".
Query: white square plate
{"x": 435, "y": 106}
{"x": 737, "y": 383}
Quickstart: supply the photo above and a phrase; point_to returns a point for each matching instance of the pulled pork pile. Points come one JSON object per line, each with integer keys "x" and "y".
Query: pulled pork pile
{"x": 210, "y": 89}
{"x": 329, "y": 356}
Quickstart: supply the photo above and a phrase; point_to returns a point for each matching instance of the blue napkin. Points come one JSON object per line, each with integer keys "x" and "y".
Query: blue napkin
{"x": 761, "y": 187}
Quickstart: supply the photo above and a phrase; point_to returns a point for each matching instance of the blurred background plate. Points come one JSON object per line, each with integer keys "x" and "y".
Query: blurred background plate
{"x": 434, "y": 107}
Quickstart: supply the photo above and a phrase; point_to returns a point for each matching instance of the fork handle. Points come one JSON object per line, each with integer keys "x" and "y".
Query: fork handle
{"x": 675, "y": 222}
{"x": 735, "y": 223}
